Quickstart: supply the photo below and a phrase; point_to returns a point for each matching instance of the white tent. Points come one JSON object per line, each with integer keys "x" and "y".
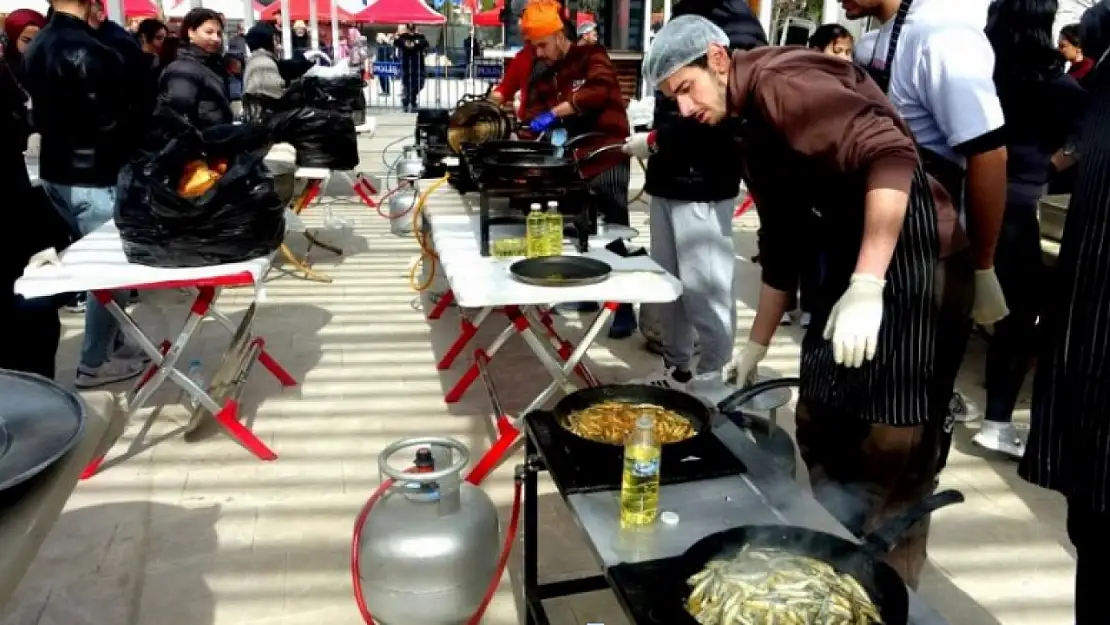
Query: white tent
{"x": 231, "y": 9}
{"x": 7, "y": 6}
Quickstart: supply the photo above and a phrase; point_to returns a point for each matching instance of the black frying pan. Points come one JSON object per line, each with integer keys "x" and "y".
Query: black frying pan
{"x": 861, "y": 561}
{"x": 690, "y": 407}
{"x": 560, "y": 271}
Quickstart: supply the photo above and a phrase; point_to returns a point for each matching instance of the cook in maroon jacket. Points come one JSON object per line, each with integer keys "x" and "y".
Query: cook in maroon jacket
{"x": 830, "y": 161}
{"x": 580, "y": 92}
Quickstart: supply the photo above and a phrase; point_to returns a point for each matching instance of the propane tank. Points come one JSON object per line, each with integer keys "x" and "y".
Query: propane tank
{"x": 410, "y": 166}
{"x": 430, "y": 546}
{"x": 401, "y": 205}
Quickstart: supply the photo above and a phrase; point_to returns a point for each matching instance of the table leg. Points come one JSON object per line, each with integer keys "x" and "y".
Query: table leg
{"x": 272, "y": 365}
{"x": 563, "y": 371}
{"x": 520, "y": 324}
{"x": 313, "y": 190}
{"x": 364, "y": 190}
{"x": 442, "y": 305}
{"x": 163, "y": 368}
{"x": 563, "y": 347}
{"x": 467, "y": 330}
{"x": 534, "y": 610}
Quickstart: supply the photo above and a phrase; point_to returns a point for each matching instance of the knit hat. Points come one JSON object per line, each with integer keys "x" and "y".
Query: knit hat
{"x": 541, "y": 18}
{"x": 261, "y": 36}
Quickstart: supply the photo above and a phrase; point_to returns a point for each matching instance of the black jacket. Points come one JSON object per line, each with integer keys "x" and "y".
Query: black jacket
{"x": 78, "y": 90}
{"x": 142, "y": 80}
{"x": 695, "y": 162}
{"x": 195, "y": 86}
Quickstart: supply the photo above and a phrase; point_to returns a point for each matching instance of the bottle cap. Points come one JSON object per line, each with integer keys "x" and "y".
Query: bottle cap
{"x": 668, "y": 518}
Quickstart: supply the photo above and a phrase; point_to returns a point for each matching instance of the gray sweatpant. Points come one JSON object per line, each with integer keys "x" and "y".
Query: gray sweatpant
{"x": 693, "y": 241}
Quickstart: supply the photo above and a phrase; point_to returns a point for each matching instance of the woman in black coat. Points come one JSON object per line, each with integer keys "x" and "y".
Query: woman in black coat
{"x": 195, "y": 85}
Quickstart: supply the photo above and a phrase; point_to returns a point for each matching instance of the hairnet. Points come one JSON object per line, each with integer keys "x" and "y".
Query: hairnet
{"x": 680, "y": 42}
{"x": 586, "y": 27}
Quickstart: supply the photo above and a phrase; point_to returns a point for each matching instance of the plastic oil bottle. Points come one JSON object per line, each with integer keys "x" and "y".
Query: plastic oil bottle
{"x": 535, "y": 231}
{"x": 553, "y": 230}
{"x": 640, "y": 479}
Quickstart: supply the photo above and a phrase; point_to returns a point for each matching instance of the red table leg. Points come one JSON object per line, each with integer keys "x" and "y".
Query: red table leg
{"x": 441, "y": 306}
{"x": 519, "y": 325}
{"x": 365, "y": 191}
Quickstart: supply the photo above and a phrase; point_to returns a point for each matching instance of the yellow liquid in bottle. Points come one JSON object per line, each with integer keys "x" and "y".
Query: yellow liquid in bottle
{"x": 553, "y": 233}
{"x": 640, "y": 478}
{"x": 535, "y": 229}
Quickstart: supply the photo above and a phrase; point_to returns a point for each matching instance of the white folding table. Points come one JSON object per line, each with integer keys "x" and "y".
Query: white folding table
{"x": 484, "y": 284}
{"x": 97, "y": 263}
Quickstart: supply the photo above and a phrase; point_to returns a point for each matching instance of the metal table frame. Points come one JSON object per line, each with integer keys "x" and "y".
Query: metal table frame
{"x": 164, "y": 359}
{"x": 762, "y": 495}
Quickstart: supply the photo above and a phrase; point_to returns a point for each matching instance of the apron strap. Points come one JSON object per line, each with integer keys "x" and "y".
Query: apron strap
{"x": 882, "y": 76}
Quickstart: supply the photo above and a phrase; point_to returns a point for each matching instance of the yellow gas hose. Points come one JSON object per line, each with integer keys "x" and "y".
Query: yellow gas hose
{"x": 427, "y": 254}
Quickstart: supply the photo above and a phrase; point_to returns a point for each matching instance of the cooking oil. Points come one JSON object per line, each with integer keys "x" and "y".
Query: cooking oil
{"x": 640, "y": 479}
{"x": 535, "y": 225}
{"x": 553, "y": 230}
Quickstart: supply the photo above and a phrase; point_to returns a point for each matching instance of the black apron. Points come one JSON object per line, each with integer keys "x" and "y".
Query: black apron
{"x": 1069, "y": 442}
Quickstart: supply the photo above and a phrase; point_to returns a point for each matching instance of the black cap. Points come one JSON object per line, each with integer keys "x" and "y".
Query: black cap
{"x": 424, "y": 459}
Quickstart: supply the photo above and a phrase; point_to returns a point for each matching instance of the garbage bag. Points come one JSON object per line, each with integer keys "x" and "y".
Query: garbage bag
{"x": 322, "y": 138}
{"x": 329, "y": 93}
{"x": 241, "y": 217}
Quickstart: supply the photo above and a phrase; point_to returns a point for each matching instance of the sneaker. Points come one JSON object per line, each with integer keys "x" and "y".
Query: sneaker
{"x": 77, "y": 305}
{"x": 112, "y": 371}
{"x": 666, "y": 376}
{"x": 1000, "y": 437}
{"x": 710, "y": 387}
{"x": 806, "y": 318}
{"x": 624, "y": 322}
{"x": 130, "y": 350}
{"x": 961, "y": 409}
{"x": 787, "y": 319}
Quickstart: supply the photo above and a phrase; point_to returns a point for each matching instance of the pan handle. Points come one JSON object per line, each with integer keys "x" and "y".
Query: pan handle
{"x": 744, "y": 395}
{"x": 882, "y": 540}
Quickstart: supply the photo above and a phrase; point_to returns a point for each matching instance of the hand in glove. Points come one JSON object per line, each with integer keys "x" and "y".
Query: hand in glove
{"x": 641, "y": 145}
{"x": 854, "y": 321}
{"x": 990, "y": 303}
{"x": 741, "y": 371}
{"x": 542, "y": 122}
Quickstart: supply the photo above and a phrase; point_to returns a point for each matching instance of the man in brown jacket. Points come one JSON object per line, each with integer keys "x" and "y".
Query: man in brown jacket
{"x": 823, "y": 149}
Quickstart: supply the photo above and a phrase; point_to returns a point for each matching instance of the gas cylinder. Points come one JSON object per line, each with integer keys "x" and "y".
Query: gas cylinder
{"x": 410, "y": 165}
{"x": 401, "y": 205}
{"x": 430, "y": 545}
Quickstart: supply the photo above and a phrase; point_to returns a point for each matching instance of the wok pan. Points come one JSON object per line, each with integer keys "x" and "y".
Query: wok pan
{"x": 560, "y": 271}
{"x": 668, "y": 592}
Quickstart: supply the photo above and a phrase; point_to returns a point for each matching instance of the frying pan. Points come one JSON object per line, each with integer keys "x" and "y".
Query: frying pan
{"x": 475, "y": 121}
{"x": 560, "y": 271}
{"x": 699, "y": 415}
{"x": 861, "y": 561}
{"x": 535, "y": 165}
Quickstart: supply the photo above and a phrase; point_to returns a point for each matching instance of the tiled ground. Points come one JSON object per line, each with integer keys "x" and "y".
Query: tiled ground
{"x": 201, "y": 534}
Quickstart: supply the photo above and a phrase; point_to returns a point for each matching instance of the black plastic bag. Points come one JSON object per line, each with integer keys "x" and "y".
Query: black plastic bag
{"x": 344, "y": 94}
{"x": 322, "y": 138}
{"x": 241, "y": 217}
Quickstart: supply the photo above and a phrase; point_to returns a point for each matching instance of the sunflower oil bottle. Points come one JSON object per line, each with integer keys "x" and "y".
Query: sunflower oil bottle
{"x": 553, "y": 230}
{"x": 535, "y": 240}
{"x": 640, "y": 478}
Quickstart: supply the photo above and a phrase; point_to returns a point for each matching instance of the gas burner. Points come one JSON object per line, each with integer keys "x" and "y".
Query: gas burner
{"x": 575, "y": 204}
{"x": 577, "y": 465}
{"x": 649, "y": 591}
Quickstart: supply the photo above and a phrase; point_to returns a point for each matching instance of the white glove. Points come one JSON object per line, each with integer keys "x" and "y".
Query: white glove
{"x": 990, "y": 303}
{"x": 45, "y": 258}
{"x": 639, "y": 145}
{"x": 853, "y": 325}
{"x": 741, "y": 370}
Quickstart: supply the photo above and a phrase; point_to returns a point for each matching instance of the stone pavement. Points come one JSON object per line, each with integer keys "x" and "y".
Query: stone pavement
{"x": 202, "y": 534}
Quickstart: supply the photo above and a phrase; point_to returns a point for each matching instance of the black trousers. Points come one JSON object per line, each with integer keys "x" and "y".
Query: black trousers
{"x": 610, "y": 191}
{"x": 35, "y": 322}
{"x": 412, "y": 83}
{"x": 1019, "y": 267}
{"x": 1087, "y": 531}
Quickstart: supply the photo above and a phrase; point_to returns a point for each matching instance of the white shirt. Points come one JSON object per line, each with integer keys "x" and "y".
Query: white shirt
{"x": 942, "y": 80}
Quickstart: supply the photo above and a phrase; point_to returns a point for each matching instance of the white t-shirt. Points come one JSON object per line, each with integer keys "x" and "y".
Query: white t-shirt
{"x": 942, "y": 81}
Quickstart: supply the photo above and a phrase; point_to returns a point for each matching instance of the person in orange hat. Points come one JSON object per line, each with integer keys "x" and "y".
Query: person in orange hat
{"x": 579, "y": 92}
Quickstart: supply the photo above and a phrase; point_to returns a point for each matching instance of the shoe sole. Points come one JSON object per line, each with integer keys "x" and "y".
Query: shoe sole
{"x": 99, "y": 382}
{"x": 995, "y": 446}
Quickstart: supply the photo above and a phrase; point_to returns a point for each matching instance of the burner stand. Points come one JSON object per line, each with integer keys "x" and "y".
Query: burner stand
{"x": 575, "y": 204}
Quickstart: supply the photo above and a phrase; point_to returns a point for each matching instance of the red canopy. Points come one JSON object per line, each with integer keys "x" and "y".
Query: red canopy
{"x": 298, "y": 10}
{"x": 491, "y": 17}
{"x": 139, "y": 8}
{"x": 399, "y": 12}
